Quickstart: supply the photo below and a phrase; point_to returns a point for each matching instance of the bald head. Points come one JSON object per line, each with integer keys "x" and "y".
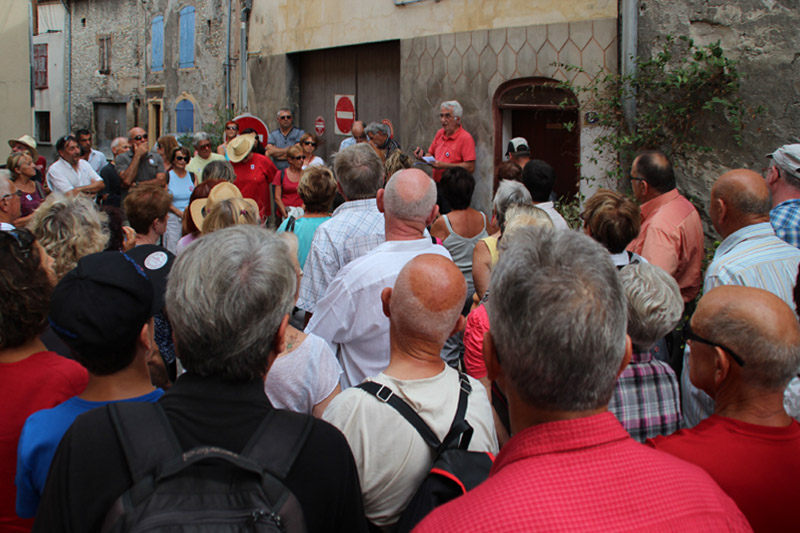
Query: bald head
{"x": 410, "y": 195}
{"x": 758, "y": 326}
{"x": 357, "y": 131}
{"x": 739, "y": 198}
{"x": 427, "y": 298}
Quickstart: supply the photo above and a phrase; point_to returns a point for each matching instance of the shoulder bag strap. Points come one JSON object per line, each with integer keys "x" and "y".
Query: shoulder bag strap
{"x": 386, "y": 395}
{"x": 278, "y": 440}
{"x": 460, "y": 426}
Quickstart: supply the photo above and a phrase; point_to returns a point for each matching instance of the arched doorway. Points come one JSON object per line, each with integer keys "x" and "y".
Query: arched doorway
{"x": 548, "y": 117}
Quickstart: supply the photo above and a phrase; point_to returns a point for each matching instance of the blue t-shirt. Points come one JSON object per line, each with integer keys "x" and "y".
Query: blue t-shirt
{"x": 304, "y": 228}
{"x": 39, "y": 440}
{"x": 181, "y": 189}
{"x": 279, "y": 140}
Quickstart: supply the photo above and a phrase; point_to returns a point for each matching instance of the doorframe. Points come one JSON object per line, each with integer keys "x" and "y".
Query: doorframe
{"x": 155, "y": 120}
{"x": 497, "y": 110}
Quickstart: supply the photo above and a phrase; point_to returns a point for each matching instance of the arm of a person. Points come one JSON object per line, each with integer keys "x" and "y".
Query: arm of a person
{"x": 279, "y": 201}
{"x": 128, "y": 175}
{"x": 420, "y": 154}
{"x": 221, "y": 149}
{"x": 481, "y": 268}
{"x": 92, "y": 188}
{"x": 161, "y": 178}
{"x": 469, "y": 165}
{"x": 277, "y": 153}
{"x": 175, "y": 211}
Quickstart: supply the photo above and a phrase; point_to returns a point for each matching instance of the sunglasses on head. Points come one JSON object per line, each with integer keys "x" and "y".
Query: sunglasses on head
{"x": 181, "y": 158}
{"x": 310, "y": 143}
{"x": 140, "y": 137}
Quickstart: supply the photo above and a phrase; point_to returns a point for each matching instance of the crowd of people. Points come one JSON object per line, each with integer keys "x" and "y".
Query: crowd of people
{"x": 155, "y": 329}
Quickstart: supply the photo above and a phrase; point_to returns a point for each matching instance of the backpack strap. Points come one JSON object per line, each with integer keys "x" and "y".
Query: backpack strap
{"x": 146, "y": 437}
{"x": 460, "y": 427}
{"x": 386, "y": 395}
{"x": 278, "y": 441}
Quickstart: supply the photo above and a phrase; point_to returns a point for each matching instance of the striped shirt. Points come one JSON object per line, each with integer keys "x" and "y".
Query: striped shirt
{"x": 785, "y": 220}
{"x": 646, "y": 400}
{"x": 355, "y": 228}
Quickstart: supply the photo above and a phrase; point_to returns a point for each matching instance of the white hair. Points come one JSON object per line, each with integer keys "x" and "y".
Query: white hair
{"x": 655, "y": 304}
{"x": 458, "y": 111}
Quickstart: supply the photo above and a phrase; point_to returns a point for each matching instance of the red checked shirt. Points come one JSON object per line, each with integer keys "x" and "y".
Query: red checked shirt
{"x": 458, "y": 148}
{"x": 587, "y": 474}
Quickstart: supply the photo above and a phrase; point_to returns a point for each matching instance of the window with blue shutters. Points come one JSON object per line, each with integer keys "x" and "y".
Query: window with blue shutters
{"x": 186, "y": 37}
{"x": 157, "y": 41}
{"x": 184, "y": 116}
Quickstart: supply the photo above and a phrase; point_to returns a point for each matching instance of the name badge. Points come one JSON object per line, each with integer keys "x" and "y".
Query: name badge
{"x": 253, "y": 167}
{"x": 29, "y": 197}
{"x": 151, "y": 161}
{"x": 447, "y": 154}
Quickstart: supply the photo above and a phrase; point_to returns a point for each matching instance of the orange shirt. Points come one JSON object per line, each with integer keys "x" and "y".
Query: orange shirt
{"x": 672, "y": 238}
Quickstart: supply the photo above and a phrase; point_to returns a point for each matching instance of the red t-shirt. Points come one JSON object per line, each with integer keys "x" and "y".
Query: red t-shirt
{"x": 758, "y": 466}
{"x": 456, "y": 149}
{"x": 40, "y": 381}
{"x": 253, "y": 177}
{"x": 289, "y": 194}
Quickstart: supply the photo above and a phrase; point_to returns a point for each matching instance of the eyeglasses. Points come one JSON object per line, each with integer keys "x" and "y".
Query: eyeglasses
{"x": 298, "y": 157}
{"x": 24, "y": 240}
{"x": 445, "y": 115}
{"x": 18, "y": 193}
{"x": 181, "y": 158}
{"x": 634, "y": 178}
{"x": 234, "y": 128}
{"x": 309, "y": 143}
{"x": 285, "y": 117}
{"x": 140, "y": 137}
{"x": 689, "y": 335}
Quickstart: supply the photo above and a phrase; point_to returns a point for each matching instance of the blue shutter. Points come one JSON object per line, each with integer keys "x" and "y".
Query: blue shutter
{"x": 157, "y": 38}
{"x": 187, "y": 38}
{"x": 184, "y": 115}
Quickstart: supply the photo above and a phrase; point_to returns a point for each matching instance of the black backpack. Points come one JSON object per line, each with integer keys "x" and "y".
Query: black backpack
{"x": 454, "y": 471}
{"x": 206, "y": 488}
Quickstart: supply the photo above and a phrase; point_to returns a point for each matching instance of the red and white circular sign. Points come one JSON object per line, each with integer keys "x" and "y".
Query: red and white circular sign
{"x": 319, "y": 126}
{"x": 344, "y": 113}
{"x": 247, "y": 120}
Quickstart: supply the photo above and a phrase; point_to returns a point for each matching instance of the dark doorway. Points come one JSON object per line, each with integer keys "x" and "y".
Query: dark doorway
{"x": 547, "y": 116}
{"x": 371, "y": 72}
{"x": 110, "y": 124}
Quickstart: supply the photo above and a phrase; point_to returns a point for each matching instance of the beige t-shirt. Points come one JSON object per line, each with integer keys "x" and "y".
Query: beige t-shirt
{"x": 392, "y": 458}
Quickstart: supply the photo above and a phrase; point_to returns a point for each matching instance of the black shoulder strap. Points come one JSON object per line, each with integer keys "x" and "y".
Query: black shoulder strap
{"x": 459, "y": 425}
{"x": 278, "y": 441}
{"x": 145, "y": 434}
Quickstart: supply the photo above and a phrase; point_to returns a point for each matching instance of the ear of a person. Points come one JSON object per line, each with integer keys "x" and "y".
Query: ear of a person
{"x": 386, "y": 299}
{"x": 379, "y": 199}
{"x": 493, "y": 369}
{"x": 626, "y": 358}
{"x": 279, "y": 340}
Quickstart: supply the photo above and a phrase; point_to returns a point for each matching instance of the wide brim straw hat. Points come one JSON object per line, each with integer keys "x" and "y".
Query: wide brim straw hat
{"x": 201, "y": 207}
{"x": 240, "y": 146}
{"x": 28, "y": 141}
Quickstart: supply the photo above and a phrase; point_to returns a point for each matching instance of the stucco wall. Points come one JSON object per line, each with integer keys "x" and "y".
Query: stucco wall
{"x": 281, "y": 27}
{"x": 15, "y": 83}
{"x": 762, "y": 35}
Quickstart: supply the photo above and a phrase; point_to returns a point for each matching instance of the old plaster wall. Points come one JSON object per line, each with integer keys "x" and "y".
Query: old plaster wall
{"x": 470, "y": 66}
{"x": 15, "y": 83}
{"x": 762, "y": 35}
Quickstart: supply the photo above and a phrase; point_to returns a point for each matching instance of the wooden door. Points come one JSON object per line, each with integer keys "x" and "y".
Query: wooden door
{"x": 110, "y": 124}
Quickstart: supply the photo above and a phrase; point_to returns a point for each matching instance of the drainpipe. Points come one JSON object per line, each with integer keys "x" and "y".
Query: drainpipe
{"x": 30, "y": 50}
{"x": 69, "y": 64}
{"x": 629, "y": 13}
{"x": 246, "y": 7}
{"x": 228, "y": 61}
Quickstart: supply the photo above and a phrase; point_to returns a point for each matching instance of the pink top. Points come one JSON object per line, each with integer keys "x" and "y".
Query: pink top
{"x": 477, "y": 325}
{"x": 672, "y": 238}
{"x": 456, "y": 149}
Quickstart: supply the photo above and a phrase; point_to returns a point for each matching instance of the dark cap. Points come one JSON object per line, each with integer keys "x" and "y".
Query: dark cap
{"x": 109, "y": 296}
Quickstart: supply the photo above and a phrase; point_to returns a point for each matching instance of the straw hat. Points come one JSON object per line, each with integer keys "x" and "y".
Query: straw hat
{"x": 201, "y": 207}
{"x": 240, "y": 146}
{"x": 28, "y": 141}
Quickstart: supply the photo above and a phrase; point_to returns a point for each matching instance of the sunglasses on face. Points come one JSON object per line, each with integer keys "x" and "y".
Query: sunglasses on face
{"x": 234, "y": 128}
{"x": 18, "y": 193}
{"x": 309, "y": 143}
{"x": 140, "y": 137}
{"x": 689, "y": 335}
{"x": 286, "y": 117}
{"x": 181, "y": 158}
{"x": 203, "y": 146}
{"x": 297, "y": 157}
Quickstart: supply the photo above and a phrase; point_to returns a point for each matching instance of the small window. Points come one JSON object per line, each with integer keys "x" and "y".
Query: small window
{"x": 104, "y": 64}
{"x": 42, "y": 119}
{"x": 157, "y": 38}
{"x": 40, "y": 66}
{"x": 187, "y": 38}
{"x": 184, "y": 116}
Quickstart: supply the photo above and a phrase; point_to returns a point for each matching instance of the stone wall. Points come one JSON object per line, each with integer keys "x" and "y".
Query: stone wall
{"x": 762, "y": 35}
{"x": 470, "y": 66}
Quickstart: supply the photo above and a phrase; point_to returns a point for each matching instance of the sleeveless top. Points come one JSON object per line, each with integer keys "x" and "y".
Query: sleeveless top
{"x": 460, "y": 249}
{"x": 491, "y": 244}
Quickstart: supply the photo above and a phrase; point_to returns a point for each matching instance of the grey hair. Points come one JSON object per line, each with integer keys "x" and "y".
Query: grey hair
{"x": 415, "y": 205}
{"x": 117, "y": 141}
{"x": 788, "y": 175}
{"x": 221, "y": 170}
{"x": 655, "y": 304}
{"x": 509, "y": 193}
{"x": 558, "y": 319}
{"x": 286, "y": 109}
{"x": 359, "y": 171}
{"x": 458, "y": 111}
{"x": 5, "y": 181}
{"x": 226, "y": 297}
{"x": 377, "y": 127}
{"x": 200, "y": 136}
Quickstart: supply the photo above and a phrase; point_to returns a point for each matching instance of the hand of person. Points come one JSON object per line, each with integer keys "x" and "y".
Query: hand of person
{"x": 439, "y": 165}
{"x": 72, "y": 192}
{"x": 418, "y": 153}
{"x": 140, "y": 149}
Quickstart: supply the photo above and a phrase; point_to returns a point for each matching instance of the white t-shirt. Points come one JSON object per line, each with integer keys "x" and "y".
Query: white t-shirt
{"x": 304, "y": 377}
{"x": 350, "y": 315}
{"x": 62, "y": 177}
{"x": 391, "y": 457}
{"x": 555, "y": 216}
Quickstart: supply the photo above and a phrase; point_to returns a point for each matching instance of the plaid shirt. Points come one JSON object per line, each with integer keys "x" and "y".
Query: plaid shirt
{"x": 646, "y": 400}
{"x": 355, "y": 228}
{"x": 785, "y": 220}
